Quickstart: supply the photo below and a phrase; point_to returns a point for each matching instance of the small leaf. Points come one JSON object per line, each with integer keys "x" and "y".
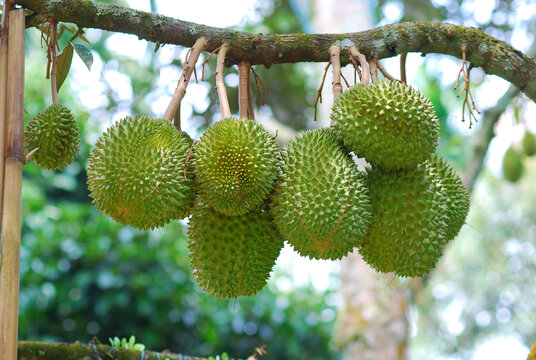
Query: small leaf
{"x": 516, "y": 114}
{"x": 64, "y": 64}
{"x": 85, "y": 54}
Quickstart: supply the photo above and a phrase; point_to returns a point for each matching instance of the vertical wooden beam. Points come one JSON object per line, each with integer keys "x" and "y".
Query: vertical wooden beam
{"x": 11, "y": 216}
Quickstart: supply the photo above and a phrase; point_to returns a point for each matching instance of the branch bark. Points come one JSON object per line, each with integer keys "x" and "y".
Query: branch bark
{"x": 486, "y": 52}
{"x": 30, "y": 350}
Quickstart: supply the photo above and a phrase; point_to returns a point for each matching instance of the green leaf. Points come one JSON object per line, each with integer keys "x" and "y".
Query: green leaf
{"x": 85, "y": 54}
{"x": 64, "y": 64}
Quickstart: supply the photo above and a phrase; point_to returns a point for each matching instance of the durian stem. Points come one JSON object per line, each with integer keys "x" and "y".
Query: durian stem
{"x": 354, "y": 52}
{"x": 403, "y": 57}
{"x": 243, "y": 90}
{"x": 53, "y": 72}
{"x": 220, "y": 85}
{"x": 187, "y": 70}
{"x": 251, "y": 105}
{"x": 383, "y": 70}
{"x": 335, "y": 53}
{"x": 11, "y": 214}
{"x": 373, "y": 70}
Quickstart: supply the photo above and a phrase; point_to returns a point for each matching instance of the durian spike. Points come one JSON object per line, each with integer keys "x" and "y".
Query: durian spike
{"x": 354, "y": 52}
{"x": 220, "y": 85}
{"x": 52, "y": 50}
{"x": 335, "y": 53}
{"x": 383, "y": 70}
{"x": 403, "y": 57}
{"x": 244, "y": 91}
{"x": 187, "y": 70}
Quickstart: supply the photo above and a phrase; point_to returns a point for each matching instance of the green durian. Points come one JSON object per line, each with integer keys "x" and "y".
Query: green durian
{"x": 409, "y": 221}
{"x": 55, "y": 132}
{"x": 529, "y": 144}
{"x": 321, "y": 205}
{"x": 512, "y": 165}
{"x": 388, "y": 123}
{"x": 232, "y": 256}
{"x": 136, "y": 173}
{"x": 236, "y": 162}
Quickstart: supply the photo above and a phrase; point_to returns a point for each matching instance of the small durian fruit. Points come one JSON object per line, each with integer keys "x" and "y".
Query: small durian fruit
{"x": 321, "y": 205}
{"x": 388, "y": 123}
{"x": 409, "y": 221}
{"x": 55, "y": 133}
{"x": 529, "y": 144}
{"x": 512, "y": 165}
{"x": 232, "y": 256}
{"x": 136, "y": 173}
{"x": 455, "y": 194}
{"x": 236, "y": 163}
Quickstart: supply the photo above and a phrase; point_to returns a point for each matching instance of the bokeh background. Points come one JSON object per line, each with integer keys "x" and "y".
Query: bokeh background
{"x": 85, "y": 276}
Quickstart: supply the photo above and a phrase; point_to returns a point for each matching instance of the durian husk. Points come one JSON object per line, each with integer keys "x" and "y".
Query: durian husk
{"x": 55, "y": 133}
{"x": 390, "y": 124}
{"x": 236, "y": 163}
{"x": 321, "y": 204}
{"x": 136, "y": 173}
{"x": 232, "y": 256}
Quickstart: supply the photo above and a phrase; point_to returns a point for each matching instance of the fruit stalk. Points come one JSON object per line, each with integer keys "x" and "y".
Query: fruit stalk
{"x": 335, "y": 53}
{"x": 187, "y": 70}
{"x": 11, "y": 215}
{"x": 220, "y": 85}
{"x": 53, "y": 72}
{"x": 244, "y": 91}
{"x": 403, "y": 57}
{"x": 354, "y": 52}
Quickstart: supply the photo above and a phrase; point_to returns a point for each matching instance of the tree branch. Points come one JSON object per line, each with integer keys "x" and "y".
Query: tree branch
{"x": 491, "y": 55}
{"x": 29, "y": 350}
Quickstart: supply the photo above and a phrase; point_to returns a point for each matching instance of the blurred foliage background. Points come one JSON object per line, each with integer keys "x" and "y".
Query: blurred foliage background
{"x": 83, "y": 275}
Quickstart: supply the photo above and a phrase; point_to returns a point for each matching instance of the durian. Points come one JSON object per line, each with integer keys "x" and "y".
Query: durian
{"x": 455, "y": 195}
{"x": 409, "y": 221}
{"x": 55, "y": 132}
{"x": 321, "y": 206}
{"x": 236, "y": 163}
{"x": 529, "y": 144}
{"x": 232, "y": 256}
{"x": 136, "y": 173}
{"x": 388, "y": 123}
{"x": 512, "y": 165}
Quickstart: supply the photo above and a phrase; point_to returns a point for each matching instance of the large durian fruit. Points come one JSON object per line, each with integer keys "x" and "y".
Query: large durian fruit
{"x": 415, "y": 213}
{"x": 232, "y": 256}
{"x": 390, "y": 124}
{"x": 321, "y": 205}
{"x": 136, "y": 173}
{"x": 236, "y": 162}
{"x": 55, "y": 133}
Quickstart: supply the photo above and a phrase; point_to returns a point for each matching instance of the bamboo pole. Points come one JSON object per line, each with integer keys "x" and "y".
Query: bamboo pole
{"x": 11, "y": 217}
{"x": 3, "y": 84}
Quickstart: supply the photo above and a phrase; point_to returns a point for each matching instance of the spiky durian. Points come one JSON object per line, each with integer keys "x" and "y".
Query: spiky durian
{"x": 236, "y": 164}
{"x": 136, "y": 173}
{"x": 232, "y": 255}
{"x": 55, "y": 132}
{"x": 321, "y": 206}
{"x": 455, "y": 195}
{"x": 389, "y": 124}
{"x": 512, "y": 165}
{"x": 409, "y": 221}
{"x": 529, "y": 144}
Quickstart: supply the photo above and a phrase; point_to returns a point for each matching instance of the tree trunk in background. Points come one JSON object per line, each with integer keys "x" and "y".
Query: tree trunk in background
{"x": 372, "y": 319}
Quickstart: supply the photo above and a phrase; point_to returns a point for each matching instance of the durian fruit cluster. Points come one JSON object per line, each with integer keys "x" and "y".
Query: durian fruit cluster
{"x": 512, "y": 164}
{"x": 245, "y": 195}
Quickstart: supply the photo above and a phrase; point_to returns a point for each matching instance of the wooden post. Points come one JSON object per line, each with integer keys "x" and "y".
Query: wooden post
{"x": 11, "y": 216}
